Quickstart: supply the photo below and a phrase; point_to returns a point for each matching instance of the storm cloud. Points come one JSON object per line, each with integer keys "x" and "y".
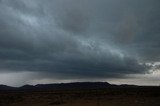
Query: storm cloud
{"x": 79, "y": 39}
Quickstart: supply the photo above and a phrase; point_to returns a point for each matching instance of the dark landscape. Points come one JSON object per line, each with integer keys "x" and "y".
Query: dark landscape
{"x": 80, "y": 94}
{"x": 64, "y": 52}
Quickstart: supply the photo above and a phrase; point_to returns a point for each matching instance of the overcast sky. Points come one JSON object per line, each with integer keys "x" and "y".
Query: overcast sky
{"x": 47, "y": 41}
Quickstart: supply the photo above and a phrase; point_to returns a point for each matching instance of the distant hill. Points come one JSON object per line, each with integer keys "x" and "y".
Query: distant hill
{"x": 5, "y": 87}
{"x": 76, "y": 85}
{"x": 65, "y": 86}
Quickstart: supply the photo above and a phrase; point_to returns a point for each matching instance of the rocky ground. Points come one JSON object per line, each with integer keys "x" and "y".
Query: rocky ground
{"x": 83, "y": 97}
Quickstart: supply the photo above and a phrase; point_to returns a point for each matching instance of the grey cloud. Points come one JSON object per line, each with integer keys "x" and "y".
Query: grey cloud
{"x": 79, "y": 39}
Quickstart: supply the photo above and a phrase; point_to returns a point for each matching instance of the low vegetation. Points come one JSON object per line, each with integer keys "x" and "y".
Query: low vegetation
{"x": 111, "y": 96}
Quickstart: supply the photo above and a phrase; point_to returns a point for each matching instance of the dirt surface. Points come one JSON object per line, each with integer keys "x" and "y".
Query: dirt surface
{"x": 90, "y": 97}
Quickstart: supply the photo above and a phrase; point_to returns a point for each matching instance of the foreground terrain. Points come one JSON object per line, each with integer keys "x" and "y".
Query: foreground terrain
{"x": 109, "y": 96}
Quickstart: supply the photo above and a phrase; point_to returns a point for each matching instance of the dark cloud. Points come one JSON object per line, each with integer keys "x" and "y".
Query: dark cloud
{"x": 79, "y": 38}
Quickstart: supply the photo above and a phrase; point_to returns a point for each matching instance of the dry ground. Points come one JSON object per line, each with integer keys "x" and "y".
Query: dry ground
{"x": 100, "y": 97}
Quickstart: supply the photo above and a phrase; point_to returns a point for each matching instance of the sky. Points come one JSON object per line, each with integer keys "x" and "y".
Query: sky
{"x": 54, "y": 41}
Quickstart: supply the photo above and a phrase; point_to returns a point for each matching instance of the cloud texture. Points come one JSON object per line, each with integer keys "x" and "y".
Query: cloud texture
{"x": 77, "y": 39}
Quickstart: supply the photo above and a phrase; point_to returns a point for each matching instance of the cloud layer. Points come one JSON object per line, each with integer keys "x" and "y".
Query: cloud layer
{"x": 77, "y": 39}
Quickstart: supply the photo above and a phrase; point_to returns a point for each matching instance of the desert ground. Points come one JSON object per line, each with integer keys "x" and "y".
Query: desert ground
{"x": 149, "y": 96}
